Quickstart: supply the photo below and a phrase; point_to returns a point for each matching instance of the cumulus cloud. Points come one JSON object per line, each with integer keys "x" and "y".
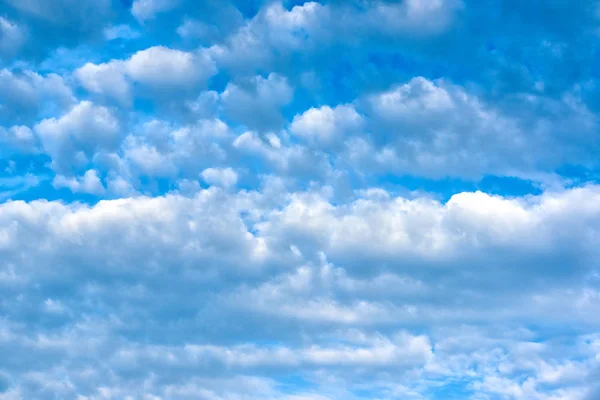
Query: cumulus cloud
{"x": 257, "y": 103}
{"x": 273, "y": 29}
{"x": 146, "y": 9}
{"x": 159, "y": 150}
{"x": 437, "y": 129}
{"x": 299, "y": 200}
{"x": 412, "y": 17}
{"x": 326, "y": 125}
{"x": 19, "y": 138}
{"x": 158, "y": 69}
{"x": 27, "y": 95}
{"x": 76, "y": 136}
{"x": 276, "y": 30}
{"x": 62, "y": 23}
{"x": 161, "y": 66}
{"x": 107, "y": 79}
{"x": 287, "y": 159}
{"x": 224, "y": 177}
{"x": 121, "y": 31}
{"x": 358, "y": 285}
{"x": 88, "y": 183}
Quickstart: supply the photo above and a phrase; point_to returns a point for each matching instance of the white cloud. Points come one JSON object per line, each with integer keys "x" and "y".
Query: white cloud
{"x": 257, "y": 103}
{"x": 412, "y": 17}
{"x": 293, "y": 276}
{"x": 159, "y": 69}
{"x": 364, "y": 275}
{"x": 144, "y": 10}
{"x": 273, "y": 29}
{"x": 88, "y": 183}
{"x": 277, "y": 31}
{"x": 19, "y": 138}
{"x": 121, "y": 31}
{"x": 161, "y": 66}
{"x": 107, "y": 79}
{"x": 289, "y": 29}
{"x": 326, "y": 125}
{"x": 147, "y": 158}
{"x": 400, "y": 350}
{"x": 153, "y": 150}
{"x": 287, "y": 159}
{"x": 119, "y": 187}
{"x": 81, "y": 132}
{"x": 435, "y": 129}
{"x": 159, "y": 149}
{"x": 27, "y": 94}
{"x": 415, "y": 100}
{"x": 48, "y": 28}
{"x": 224, "y": 177}
{"x": 192, "y": 29}
{"x": 205, "y": 105}
{"x": 214, "y": 273}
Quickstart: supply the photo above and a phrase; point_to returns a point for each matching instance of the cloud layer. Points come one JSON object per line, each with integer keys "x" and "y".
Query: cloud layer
{"x": 299, "y": 200}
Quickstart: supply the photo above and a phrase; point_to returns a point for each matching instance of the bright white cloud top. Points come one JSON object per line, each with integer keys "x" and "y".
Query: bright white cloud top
{"x": 365, "y": 199}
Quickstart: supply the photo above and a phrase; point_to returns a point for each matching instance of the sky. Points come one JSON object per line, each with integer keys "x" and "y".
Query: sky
{"x": 288, "y": 200}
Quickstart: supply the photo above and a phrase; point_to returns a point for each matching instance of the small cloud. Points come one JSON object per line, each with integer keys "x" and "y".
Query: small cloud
{"x": 120, "y": 32}
{"x": 224, "y": 177}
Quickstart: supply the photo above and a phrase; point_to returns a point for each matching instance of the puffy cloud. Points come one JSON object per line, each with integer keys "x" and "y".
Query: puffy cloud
{"x": 224, "y": 177}
{"x": 192, "y": 29}
{"x": 275, "y": 29}
{"x": 285, "y": 29}
{"x": 147, "y": 158}
{"x": 146, "y": 9}
{"x": 284, "y": 158}
{"x": 158, "y": 69}
{"x": 257, "y": 103}
{"x": 121, "y": 31}
{"x": 161, "y": 66}
{"x": 19, "y": 138}
{"x": 421, "y": 234}
{"x": 62, "y": 23}
{"x": 158, "y": 151}
{"x": 192, "y": 146}
{"x": 326, "y": 125}
{"x": 88, "y": 183}
{"x": 26, "y": 95}
{"x": 436, "y": 129}
{"x": 204, "y": 106}
{"x": 282, "y": 256}
{"x": 446, "y": 130}
{"x": 76, "y": 136}
{"x": 193, "y": 23}
{"x": 107, "y": 79}
{"x": 428, "y": 128}
{"x": 412, "y": 17}
{"x": 417, "y": 96}
{"x": 209, "y": 287}
{"x": 120, "y": 187}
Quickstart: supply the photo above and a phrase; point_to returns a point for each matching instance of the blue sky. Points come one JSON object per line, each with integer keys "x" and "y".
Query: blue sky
{"x": 361, "y": 199}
